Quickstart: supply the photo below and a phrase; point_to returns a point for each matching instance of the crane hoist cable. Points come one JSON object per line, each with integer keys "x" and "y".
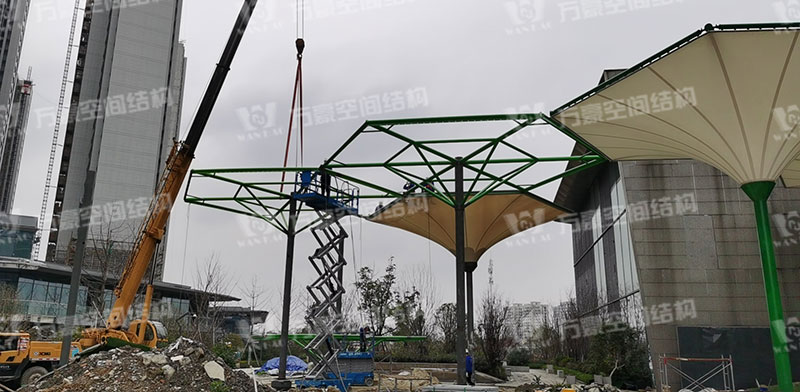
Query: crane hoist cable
{"x": 297, "y": 95}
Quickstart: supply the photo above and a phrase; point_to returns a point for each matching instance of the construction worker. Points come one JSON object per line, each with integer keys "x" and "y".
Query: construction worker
{"x": 305, "y": 180}
{"x": 325, "y": 181}
{"x": 362, "y": 337}
{"x": 470, "y": 369}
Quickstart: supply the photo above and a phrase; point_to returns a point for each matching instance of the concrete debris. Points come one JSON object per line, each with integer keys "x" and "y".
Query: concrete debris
{"x": 183, "y": 366}
{"x": 214, "y": 370}
{"x": 596, "y": 387}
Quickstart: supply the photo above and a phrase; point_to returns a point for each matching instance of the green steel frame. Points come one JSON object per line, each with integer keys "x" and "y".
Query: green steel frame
{"x": 757, "y": 191}
{"x": 303, "y": 338}
{"x": 269, "y": 201}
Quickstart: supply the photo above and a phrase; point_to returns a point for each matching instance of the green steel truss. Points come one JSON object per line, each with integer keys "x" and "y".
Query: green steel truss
{"x": 261, "y": 193}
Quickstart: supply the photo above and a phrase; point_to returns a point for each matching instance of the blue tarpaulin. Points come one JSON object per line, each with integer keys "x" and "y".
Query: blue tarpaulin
{"x": 293, "y": 364}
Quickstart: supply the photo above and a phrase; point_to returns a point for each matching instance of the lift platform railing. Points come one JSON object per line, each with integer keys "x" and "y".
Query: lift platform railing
{"x": 337, "y": 195}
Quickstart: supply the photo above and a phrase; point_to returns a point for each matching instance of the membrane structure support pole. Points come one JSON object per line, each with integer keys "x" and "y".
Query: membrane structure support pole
{"x": 759, "y": 193}
{"x": 282, "y": 384}
{"x": 461, "y": 341}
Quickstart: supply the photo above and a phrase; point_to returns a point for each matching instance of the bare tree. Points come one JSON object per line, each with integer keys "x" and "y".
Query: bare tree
{"x": 211, "y": 280}
{"x": 9, "y": 306}
{"x": 256, "y": 298}
{"x": 419, "y": 280}
{"x": 106, "y": 255}
{"x": 494, "y": 335}
{"x": 446, "y": 324}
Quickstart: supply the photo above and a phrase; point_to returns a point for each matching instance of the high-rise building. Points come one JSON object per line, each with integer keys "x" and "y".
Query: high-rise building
{"x": 12, "y": 148}
{"x": 524, "y": 319}
{"x": 124, "y": 115}
{"x": 13, "y": 15}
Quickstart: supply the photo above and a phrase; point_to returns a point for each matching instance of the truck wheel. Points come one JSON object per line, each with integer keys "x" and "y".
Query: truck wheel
{"x": 32, "y": 374}
{"x": 369, "y": 381}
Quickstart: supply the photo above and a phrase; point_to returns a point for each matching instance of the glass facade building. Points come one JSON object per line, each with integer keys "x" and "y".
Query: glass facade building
{"x": 124, "y": 115}
{"x": 13, "y": 16}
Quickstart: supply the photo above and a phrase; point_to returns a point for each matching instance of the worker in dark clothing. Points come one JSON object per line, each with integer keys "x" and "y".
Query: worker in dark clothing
{"x": 362, "y": 337}
{"x": 325, "y": 181}
{"x": 470, "y": 369}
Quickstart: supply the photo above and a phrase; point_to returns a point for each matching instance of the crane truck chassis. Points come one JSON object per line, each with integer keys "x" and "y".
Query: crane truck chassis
{"x": 24, "y": 360}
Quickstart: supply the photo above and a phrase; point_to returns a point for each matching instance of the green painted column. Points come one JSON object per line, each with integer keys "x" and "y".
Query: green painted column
{"x": 759, "y": 192}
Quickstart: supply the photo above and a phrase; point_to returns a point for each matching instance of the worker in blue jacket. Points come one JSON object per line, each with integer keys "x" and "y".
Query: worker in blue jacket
{"x": 470, "y": 369}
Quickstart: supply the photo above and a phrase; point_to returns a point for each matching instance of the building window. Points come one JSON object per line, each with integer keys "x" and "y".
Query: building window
{"x": 599, "y": 258}
{"x": 623, "y": 245}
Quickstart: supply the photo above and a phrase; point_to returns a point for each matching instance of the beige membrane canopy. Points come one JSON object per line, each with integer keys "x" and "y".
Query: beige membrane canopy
{"x": 489, "y": 220}
{"x": 727, "y": 98}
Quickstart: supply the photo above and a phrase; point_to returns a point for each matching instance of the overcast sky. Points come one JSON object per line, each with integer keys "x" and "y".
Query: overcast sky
{"x": 457, "y": 56}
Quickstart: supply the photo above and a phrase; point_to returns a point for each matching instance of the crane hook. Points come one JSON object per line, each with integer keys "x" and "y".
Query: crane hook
{"x": 300, "y": 44}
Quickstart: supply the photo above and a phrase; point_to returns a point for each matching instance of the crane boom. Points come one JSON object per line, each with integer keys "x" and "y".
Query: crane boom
{"x": 178, "y": 161}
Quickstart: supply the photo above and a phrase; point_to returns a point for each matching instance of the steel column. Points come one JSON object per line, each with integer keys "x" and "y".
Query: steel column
{"x": 282, "y": 384}
{"x": 470, "y": 267}
{"x": 461, "y": 344}
{"x": 759, "y": 192}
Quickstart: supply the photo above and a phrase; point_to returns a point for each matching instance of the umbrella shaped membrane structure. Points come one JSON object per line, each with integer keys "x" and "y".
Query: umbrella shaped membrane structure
{"x": 490, "y": 220}
{"x": 725, "y": 95}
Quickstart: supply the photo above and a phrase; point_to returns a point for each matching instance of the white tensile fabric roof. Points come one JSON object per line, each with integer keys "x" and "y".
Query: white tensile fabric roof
{"x": 730, "y": 99}
{"x": 489, "y": 220}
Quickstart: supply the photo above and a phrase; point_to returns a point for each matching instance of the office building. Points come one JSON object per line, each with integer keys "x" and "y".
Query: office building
{"x": 15, "y": 140}
{"x": 13, "y": 16}
{"x": 124, "y": 115}
{"x": 525, "y": 319}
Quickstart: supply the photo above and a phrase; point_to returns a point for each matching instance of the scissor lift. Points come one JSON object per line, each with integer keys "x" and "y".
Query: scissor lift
{"x": 332, "y": 199}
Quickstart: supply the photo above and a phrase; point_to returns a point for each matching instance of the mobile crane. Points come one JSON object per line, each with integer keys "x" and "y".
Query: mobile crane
{"x": 143, "y": 331}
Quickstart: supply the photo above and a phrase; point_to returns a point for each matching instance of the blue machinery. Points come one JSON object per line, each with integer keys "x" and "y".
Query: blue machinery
{"x": 332, "y": 199}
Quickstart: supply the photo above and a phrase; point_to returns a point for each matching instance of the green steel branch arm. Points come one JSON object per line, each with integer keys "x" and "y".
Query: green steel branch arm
{"x": 508, "y": 133}
{"x": 574, "y": 136}
{"x": 576, "y": 169}
{"x": 495, "y": 184}
{"x": 413, "y": 142}
{"x": 365, "y": 183}
{"x": 483, "y": 167}
{"x": 228, "y": 209}
{"x": 437, "y": 195}
{"x": 433, "y": 172}
{"x": 456, "y": 119}
{"x": 350, "y": 140}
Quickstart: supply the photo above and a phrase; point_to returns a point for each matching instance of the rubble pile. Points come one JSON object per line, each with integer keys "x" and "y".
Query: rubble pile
{"x": 593, "y": 387}
{"x": 183, "y": 366}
